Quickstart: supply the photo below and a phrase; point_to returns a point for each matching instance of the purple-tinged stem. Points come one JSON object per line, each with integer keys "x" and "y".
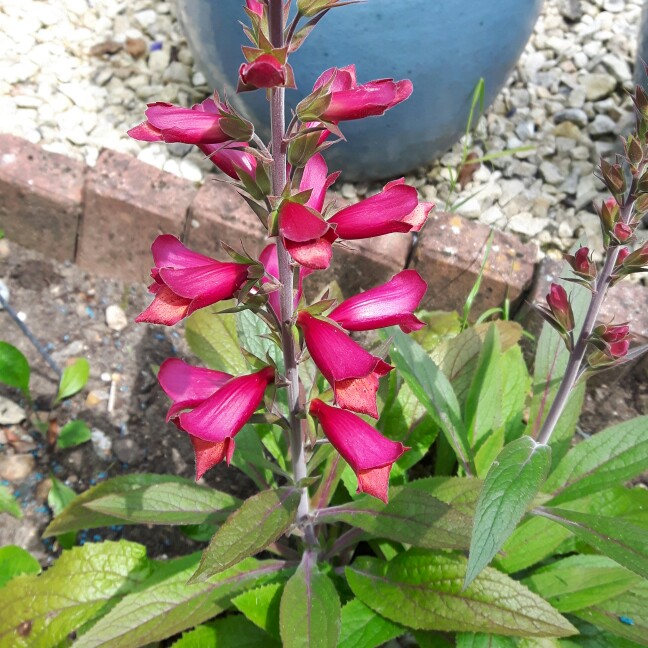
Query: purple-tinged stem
{"x": 577, "y": 355}
{"x": 286, "y": 276}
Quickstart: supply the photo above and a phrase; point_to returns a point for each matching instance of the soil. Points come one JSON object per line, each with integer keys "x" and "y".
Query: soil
{"x": 65, "y": 309}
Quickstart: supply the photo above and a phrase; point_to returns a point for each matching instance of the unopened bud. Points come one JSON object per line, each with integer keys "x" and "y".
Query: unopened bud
{"x": 622, "y": 232}
{"x": 581, "y": 263}
{"x": 560, "y": 307}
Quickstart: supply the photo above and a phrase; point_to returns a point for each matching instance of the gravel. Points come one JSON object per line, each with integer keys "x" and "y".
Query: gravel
{"x": 78, "y": 73}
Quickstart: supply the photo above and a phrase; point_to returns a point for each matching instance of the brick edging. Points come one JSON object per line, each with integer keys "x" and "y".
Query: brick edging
{"x": 105, "y": 217}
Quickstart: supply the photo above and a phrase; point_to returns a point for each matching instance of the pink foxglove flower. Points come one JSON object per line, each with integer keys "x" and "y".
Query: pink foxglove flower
{"x": 616, "y": 337}
{"x": 186, "y": 281}
{"x": 188, "y": 386}
{"x": 230, "y": 158}
{"x": 213, "y": 424}
{"x": 266, "y": 71}
{"x": 391, "y": 304}
{"x": 303, "y": 232}
{"x": 581, "y": 263}
{"x": 368, "y": 452}
{"x": 196, "y": 125}
{"x": 351, "y": 370}
{"x": 317, "y": 178}
{"x": 268, "y": 259}
{"x": 395, "y": 209}
{"x": 255, "y": 7}
{"x": 348, "y": 100}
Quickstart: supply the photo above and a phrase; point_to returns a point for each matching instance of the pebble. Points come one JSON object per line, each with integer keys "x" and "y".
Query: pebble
{"x": 10, "y": 413}
{"x": 16, "y": 468}
{"x": 602, "y": 125}
{"x": 101, "y": 443}
{"x": 116, "y": 318}
{"x": 598, "y": 86}
{"x": 573, "y": 115}
{"x": 127, "y": 451}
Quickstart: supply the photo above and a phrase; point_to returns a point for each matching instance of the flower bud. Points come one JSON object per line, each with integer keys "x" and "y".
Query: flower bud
{"x": 266, "y": 71}
{"x": 622, "y": 232}
{"x": 560, "y": 307}
{"x": 581, "y": 263}
{"x": 612, "y": 340}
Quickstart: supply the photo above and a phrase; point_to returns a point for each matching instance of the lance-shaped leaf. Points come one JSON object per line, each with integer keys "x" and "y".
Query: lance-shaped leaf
{"x": 77, "y": 515}
{"x": 606, "y": 459}
{"x": 424, "y": 590}
{"x": 15, "y": 561}
{"x": 363, "y": 628}
{"x": 83, "y": 584}
{"x": 580, "y": 581}
{"x": 412, "y": 516}
{"x": 169, "y": 503}
{"x": 480, "y": 640}
{"x": 213, "y": 338}
{"x": 509, "y": 488}
{"x": 8, "y": 503}
{"x": 14, "y": 368}
{"x": 619, "y": 539}
{"x": 310, "y": 608}
{"x": 625, "y": 616}
{"x": 256, "y": 524}
{"x": 165, "y": 604}
{"x": 74, "y": 379}
{"x": 261, "y": 606}
{"x": 228, "y": 632}
{"x": 433, "y": 389}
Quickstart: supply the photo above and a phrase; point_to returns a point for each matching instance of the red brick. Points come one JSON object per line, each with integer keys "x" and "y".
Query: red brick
{"x": 449, "y": 256}
{"x": 40, "y": 197}
{"x": 218, "y": 213}
{"x": 127, "y": 204}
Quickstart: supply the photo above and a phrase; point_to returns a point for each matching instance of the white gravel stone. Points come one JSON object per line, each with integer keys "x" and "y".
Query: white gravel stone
{"x": 116, "y": 318}
{"x": 602, "y": 125}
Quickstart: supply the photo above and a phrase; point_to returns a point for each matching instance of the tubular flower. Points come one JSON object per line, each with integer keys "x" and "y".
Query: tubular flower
{"x": 230, "y": 158}
{"x": 168, "y": 123}
{"x": 214, "y": 422}
{"x": 391, "y": 304}
{"x": 395, "y": 209}
{"x": 316, "y": 177}
{"x": 185, "y": 281}
{"x": 581, "y": 263}
{"x": 368, "y": 452}
{"x": 352, "y": 372}
{"x": 255, "y": 7}
{"x": 268, "y": 259}
{"x": 266, "y": 71}
{"x": 303, "y": 232}
{"x": 347, "y": 100}
{"x": 616, "y": 339}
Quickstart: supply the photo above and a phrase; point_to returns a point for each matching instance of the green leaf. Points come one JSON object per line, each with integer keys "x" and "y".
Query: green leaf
{"x": 593, "y": 637}
{"x": 622, "y": 541}
{"x": 213, "y": 338}
{"x": 538, "y": 537}
{"x": 83, "y": 584}
{"x": 412, "y": 516}
{"x": 483, "y": 411}
{"x": 509, "y": 488}
{"x": 165, "y": 604}
{"x": 363, "y": 628}
{"x": 251, "y": 329}
{"x": 15, "y": 561}
{"x": 423, "y": 590}
{"x": 310, "y": 608}
{"x": 229, "y": 632}
{"x": 169, "y": 503}
{"x": 74, "y": 379}
{"x": 516, "y": 386}
{"x": 551, "y": 358}
{"x": 405, "y": 419}
{"x": 433, "y": 389}
{"x": 606, "y": 459}
{"x": 76, "y": 516}
{"x": 8, "y": 503}
{"x": 250, "y": 459}
{"x": 625, "y": 615}
{"x": 73, "y": 434}
{"x": 562, "y": 437}
{"x": 58, "y": 498}
{"x": 461, "y": 493}
{"x": 578, "y": 582}
{"x": 261, "y": 606}
{"x": 480, "y": 640}
{"x": 259, "y": 521}
{"x": 14, "y": 368}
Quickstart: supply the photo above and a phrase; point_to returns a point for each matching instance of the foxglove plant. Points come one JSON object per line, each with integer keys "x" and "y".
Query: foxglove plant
{"x": 351, "y": 548}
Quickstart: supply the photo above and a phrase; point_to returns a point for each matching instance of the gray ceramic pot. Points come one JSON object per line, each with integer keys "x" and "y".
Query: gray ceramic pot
{"x": 443, "y": 46}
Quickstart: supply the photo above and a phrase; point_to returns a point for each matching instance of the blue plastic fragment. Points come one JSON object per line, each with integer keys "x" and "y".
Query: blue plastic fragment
{"x": 155, "y": 45}
{"x": 90, "y": 312}
{"x": 102, "y": 475}
{"x": 626, "y": 620}
{"x": 96, "y": 537}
